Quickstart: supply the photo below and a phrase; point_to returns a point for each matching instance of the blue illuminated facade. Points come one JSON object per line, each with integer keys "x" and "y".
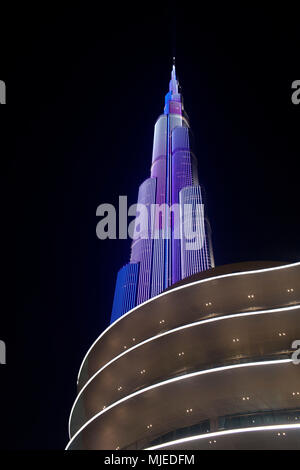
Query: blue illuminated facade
{"x": 159, "y": 261}
{"x": 125, "y": 291}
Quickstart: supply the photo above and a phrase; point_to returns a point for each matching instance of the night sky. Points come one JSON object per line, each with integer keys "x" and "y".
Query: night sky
{"x": 84, "y": 89}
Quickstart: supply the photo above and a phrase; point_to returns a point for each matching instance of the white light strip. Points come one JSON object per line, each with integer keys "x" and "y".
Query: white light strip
{"x": 179, "y": 288}
{"x": 217, "y": 434}
{"x": 176, "y": 379}
{"x": 175, "y": 330}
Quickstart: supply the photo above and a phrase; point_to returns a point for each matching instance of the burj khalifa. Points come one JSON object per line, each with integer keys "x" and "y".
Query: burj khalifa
{"x": 161, "y": 258}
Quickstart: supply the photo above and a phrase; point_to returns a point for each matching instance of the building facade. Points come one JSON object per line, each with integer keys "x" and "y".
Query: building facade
{"x": 160, "y": 255}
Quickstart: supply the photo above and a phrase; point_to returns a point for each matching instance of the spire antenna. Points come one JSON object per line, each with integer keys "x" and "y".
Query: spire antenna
{"x": 173, "y": 74}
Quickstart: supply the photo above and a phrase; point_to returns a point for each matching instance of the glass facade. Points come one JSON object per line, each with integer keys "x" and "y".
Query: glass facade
{"x": 125, "y": 291}
{"x": 187, "y": 431}
{"x": 268, "y": 418}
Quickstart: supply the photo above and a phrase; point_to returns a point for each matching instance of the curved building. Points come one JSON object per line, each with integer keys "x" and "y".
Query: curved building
{"x": 205, "y": 364}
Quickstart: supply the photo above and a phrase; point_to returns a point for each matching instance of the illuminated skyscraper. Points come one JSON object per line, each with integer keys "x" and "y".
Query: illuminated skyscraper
{"x": 196, "y": 356}
{"x": 159, "y": 261}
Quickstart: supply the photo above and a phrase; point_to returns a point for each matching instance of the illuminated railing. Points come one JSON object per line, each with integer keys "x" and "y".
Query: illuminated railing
{"x": 265, "y": 418}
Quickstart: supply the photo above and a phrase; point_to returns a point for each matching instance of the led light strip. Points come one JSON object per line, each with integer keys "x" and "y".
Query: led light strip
{"x": 172, "y": 380}
{"x": 175, "y": 330}
{"x": 179, "y": 288}
{"x": 217, "y": 434}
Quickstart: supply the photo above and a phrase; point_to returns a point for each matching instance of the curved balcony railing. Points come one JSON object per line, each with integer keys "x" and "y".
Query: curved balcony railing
{"x": 266, "y": 418}
{"x": 206, "y": 298}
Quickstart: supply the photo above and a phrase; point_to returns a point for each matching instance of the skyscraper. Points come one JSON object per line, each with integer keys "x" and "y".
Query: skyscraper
{"x": 162, "y": 257}
{"x": 196, "y": 356}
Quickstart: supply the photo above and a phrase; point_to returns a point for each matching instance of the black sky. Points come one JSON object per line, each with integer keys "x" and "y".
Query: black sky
{"x": 84, "y": 88}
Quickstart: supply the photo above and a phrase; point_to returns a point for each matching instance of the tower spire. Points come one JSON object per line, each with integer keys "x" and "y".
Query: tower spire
{"x": 173, "y": 74}
{"x": 173, "y": 88}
